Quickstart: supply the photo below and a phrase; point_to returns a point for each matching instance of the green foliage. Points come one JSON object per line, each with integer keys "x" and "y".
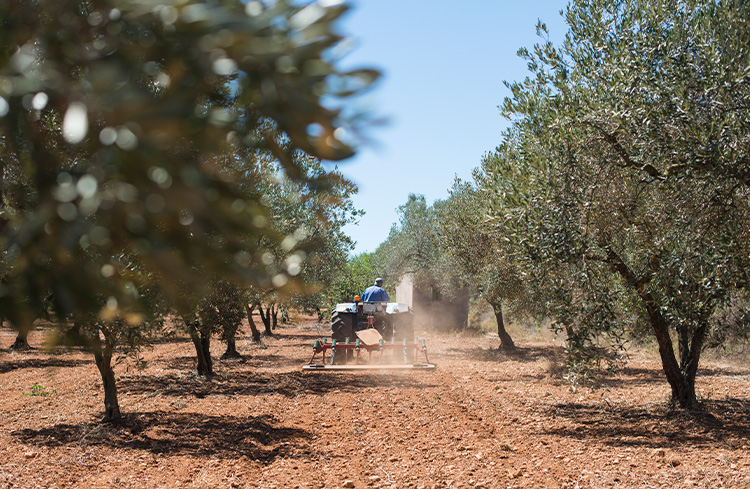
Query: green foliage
{"x": 140, "y": 145}
{"x": 448, "y": 246}
{"x": 730, "y": 326}
{"x": 316, "y": 212}
{"x": 222, "y": 310}
{"x": 411, "y": 246}
{"x": 474, "y": 253}
{"x": 621, "y": 185}
{"x": 122, "y": 122}
{"x": 358, "y": 274}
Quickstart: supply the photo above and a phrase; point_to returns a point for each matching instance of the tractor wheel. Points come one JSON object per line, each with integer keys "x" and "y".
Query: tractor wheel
{"x": 383, "y": 326}
{"x": 340, "y": 328}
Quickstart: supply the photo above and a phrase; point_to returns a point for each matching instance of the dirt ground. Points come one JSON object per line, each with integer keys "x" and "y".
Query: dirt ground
{"x": 482, "y": 419}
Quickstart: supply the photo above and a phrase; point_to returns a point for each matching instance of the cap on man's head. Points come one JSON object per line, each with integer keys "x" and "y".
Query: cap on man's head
{"x": 378, "y": 280}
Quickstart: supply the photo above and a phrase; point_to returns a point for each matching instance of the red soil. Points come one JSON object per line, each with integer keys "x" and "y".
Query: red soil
{"x": 481, "y": 419}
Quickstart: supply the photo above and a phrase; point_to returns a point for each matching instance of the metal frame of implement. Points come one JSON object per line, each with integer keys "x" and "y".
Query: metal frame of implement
{"x": 356, "y": 348}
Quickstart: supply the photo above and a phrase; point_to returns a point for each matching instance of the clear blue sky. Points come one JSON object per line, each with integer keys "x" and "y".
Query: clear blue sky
{"x": 443, "y": 66}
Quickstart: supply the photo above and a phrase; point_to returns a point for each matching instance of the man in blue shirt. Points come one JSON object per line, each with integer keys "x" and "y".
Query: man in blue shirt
{"x": 375, "y": 293}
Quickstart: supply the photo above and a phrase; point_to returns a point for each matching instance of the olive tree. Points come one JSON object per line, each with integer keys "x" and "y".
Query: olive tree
{"x": 411, "y": 246}
{"x": 469, "y": 250}
{"x": 622, "y": 181}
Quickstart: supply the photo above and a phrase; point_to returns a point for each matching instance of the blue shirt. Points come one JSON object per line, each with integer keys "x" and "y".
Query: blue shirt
{"x": 374, "y": 293}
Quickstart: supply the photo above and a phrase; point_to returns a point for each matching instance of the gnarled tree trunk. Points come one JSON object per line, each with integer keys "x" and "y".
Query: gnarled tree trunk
{"x": 202, "y": 344}
{"x": 22, "y": 342}
{"x": 103, "y": 359}
{"x": 251, "y": 322}
{"x": 265, "y": 316}
{"x": 506, "y": 342}
{"x": 231, "y": 351}
{"x": 681, "y": 380}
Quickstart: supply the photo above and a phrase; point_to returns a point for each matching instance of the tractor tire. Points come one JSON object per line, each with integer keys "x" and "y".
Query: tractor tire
{"x": 384, "y": 327}
{"x": 341, "y": 328}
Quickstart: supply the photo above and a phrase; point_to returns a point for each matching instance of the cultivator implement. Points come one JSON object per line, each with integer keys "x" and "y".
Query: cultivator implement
{"x": 380, "y": 355}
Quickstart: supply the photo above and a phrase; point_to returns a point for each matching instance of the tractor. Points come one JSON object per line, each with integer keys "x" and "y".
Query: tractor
{"x": 394, "y": 321}
{"x": 370, "y": 335}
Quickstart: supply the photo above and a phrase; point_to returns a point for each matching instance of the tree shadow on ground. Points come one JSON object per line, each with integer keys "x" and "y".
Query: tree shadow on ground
{"x": 287, "y": 339}
{"x": 723, "y": 372}
{"x": 519, "y": 354}
{"x": 719, "y": 423}
{"x": 625, "y": 376}
{"x": 251, "y": 358}
{"x": 170, "y": 340}
{"x": 246, "y": 383}
{"x": 46, "y": 362}
{"x": 289, "y": 335}
{"x": 528, "y": 354}
{"x": 190, "y": 434}
{"x": 277, "y": 361}
{"x": 631, "y": 376}
{"x": 183, "y": 363}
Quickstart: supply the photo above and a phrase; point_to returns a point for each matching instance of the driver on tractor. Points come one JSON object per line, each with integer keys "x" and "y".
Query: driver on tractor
{"x": 376, "y": 292}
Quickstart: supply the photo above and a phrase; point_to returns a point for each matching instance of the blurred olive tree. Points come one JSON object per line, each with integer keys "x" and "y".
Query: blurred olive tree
{"x": 131, "y": 139}
{"x": 115, "y": 119}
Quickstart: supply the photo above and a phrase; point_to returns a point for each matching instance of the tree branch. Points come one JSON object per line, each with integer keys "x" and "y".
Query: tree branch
{"x": 612, "y": 140}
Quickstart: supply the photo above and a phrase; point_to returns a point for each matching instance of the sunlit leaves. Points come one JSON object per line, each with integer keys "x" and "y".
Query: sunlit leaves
{"x": 626, "y": 158}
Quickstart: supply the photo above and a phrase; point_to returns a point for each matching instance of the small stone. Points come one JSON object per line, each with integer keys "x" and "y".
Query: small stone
{"x": 660, "y": 452}
{"x": 29, "y": 455}
{"x": 348, "y": 484}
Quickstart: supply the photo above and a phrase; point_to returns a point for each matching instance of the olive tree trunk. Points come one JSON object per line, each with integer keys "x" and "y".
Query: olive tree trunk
{"x": 506, "y": 342}
{"x": 231, "y": 351}
{"x": 103, "y": 357}
{"x": 681, "y": 380}
{"x": 202, "y": 343}
{"x": 265, "y": 316}
{"x": 22, "y": 341}
{"x": 250, "y": 322}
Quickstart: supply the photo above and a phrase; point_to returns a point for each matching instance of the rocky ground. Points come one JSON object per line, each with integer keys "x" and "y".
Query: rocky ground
{"x": 481, "y": 419}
